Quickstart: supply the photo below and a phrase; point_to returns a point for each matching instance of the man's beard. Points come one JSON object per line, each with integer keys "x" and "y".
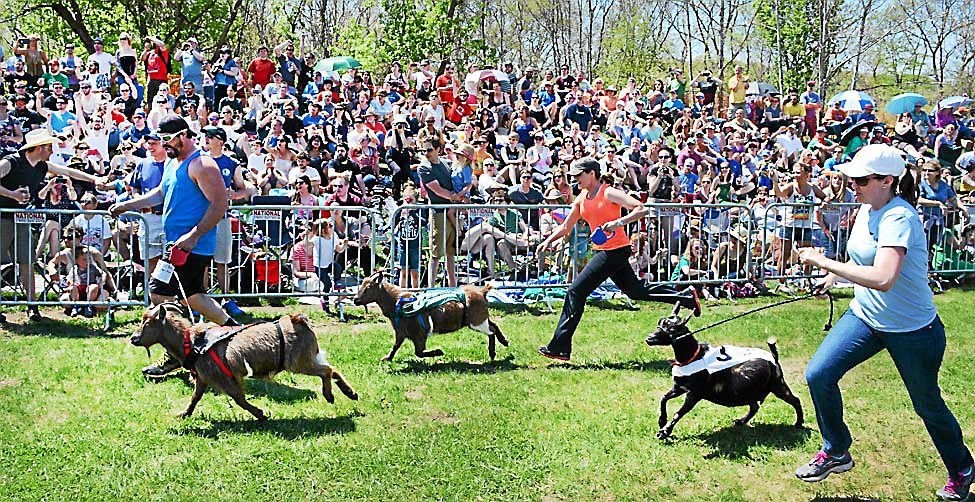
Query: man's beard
{"x": 171, "y": 151}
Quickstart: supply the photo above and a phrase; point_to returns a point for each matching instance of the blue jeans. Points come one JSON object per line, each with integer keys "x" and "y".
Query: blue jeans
{"x": 917, "y": 356}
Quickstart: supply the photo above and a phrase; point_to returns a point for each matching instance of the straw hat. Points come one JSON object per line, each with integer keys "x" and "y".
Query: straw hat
{"x": 38, "y": 137}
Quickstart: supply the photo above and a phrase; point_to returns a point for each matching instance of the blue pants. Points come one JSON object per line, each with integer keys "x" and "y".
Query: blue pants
{"x": 917, "y": 356}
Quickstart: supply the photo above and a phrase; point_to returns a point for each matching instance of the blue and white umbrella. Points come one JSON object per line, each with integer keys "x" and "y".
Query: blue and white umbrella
{"x": 853, "y": 101}
{"x": 903, "y": 103}
{"x": 954, "y": 102}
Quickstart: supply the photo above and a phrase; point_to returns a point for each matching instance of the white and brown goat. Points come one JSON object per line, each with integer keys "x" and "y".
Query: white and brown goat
{"x": 259, "y": 351}
{"x": 446, "y": 318}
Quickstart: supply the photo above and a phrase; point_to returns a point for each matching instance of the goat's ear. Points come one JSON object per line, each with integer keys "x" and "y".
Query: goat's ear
{"x": 162, "y": 312}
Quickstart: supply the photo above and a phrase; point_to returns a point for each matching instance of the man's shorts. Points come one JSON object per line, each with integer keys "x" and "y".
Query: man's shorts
{"x": 443, "y": 238}
{"x": 17, "y": 241}
{"x": 190, "y": 275}
{"x": 152, "y": 238}
{"x": 799, "y": 235}
{"x": 224, "y": 241}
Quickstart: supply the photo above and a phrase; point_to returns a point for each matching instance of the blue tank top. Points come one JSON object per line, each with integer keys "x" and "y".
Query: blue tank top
{"x": 184, "y": 206}
{"x": 228, "y": 167}
{"x": 524, "y": 133}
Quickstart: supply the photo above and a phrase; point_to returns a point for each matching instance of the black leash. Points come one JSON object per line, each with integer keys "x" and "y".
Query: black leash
{"x": 829, "y": 324}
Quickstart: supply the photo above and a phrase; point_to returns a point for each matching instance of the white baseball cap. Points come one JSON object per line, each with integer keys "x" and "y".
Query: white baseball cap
{"x": 879, "y": 159}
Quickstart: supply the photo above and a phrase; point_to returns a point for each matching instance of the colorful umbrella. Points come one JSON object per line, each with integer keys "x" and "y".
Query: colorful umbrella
{"x": 903, "y": 103}
{"x": 853, "y": 101}
{"x": 954, "y": 102}
{"x": 337, "y": 63}
{"x": 474, "y": 79}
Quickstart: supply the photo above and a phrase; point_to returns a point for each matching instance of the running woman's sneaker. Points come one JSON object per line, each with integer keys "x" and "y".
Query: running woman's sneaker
{"x": 958, "y": 486}
{"x": 824, "y": 464}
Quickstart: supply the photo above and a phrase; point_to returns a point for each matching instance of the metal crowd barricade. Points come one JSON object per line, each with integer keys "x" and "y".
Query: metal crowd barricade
{"x": 491, "y": 242}
{"x": 951, "y": 247}
{"x": 681, "y": 244}
{"x": 788, "y": 226}
{"x": 264, "y": 262}
{"x": 43, "y": 267}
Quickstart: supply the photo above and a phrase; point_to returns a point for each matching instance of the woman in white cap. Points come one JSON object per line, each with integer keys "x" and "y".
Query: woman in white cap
{"x": 892, "y": 309}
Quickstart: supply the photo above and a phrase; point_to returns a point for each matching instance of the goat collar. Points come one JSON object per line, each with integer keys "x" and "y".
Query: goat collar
{"x": 690, "y": 359}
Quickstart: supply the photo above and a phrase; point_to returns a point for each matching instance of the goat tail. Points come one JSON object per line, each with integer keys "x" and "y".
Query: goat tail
{"x": 775, "y": 352}
{"x": 487, "y": 287}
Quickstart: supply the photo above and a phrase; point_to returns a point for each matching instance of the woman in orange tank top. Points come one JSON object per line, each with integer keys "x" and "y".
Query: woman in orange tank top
{"x": 602, "y": 207}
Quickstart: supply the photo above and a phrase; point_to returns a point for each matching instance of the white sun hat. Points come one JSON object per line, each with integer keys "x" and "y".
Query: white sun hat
{"x": 879, "y": 159}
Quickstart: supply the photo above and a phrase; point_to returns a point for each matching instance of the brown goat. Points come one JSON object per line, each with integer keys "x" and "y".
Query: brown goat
{"x": 254, "y": 351}
{"x": 446, "y": 318}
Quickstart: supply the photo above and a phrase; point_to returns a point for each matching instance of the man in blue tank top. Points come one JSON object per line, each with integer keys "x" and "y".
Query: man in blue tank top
{"x": 194, "y": 200}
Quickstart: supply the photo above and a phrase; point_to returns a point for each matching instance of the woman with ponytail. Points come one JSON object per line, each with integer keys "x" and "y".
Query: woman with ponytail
{"x": 893, "y": 310}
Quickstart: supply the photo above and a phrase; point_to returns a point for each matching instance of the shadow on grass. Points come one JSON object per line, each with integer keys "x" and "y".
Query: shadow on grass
{"x": 285, "y": 428}
{"x": 279, "y": 392}
{"x": 420, "y": 366}
{"x": 736, "y": 442}
{"x": 659, "y": 365}
{"x": 843, "y": 498}
{"x": 58, "y": 328}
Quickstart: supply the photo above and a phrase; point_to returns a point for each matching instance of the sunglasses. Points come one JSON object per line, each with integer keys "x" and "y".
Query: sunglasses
{"x": 865, "y": 180}
{"x": 167, "y": 137}
{"x": 665, "y": 156}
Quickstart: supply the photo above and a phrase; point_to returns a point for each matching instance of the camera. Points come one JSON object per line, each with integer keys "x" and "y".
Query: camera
{"x": 23, "y": 42}
{"x": 60, "y": 179}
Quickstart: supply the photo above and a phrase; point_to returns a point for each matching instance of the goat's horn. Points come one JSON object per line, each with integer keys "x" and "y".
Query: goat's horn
{"x": 683, "y": 322}
{"x": 676, "y": 310}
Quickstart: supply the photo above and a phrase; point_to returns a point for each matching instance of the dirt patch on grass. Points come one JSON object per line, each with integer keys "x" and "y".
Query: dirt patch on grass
{"x": 444, "y": 418}
{"x": 9, "y": 382}
{"x": 414, "y": 394}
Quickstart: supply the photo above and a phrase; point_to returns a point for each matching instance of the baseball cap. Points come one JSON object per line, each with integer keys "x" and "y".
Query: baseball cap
{"x": 879, "y": 159}
{"x": 174, "y": 124}
{"x": 215, "y": 132}
{"x": 584, "y": 164}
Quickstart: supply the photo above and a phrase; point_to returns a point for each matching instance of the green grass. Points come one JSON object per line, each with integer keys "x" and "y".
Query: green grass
{"x": 77, "y": 420}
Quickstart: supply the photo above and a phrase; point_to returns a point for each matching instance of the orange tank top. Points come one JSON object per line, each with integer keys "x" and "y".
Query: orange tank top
{"x": 599, "y": 210}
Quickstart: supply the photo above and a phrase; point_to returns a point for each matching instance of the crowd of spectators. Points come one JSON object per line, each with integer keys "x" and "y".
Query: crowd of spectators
{"x": 442, "y": 133}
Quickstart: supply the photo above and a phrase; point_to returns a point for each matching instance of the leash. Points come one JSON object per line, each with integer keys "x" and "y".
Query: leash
{"x": 827, "y": 327}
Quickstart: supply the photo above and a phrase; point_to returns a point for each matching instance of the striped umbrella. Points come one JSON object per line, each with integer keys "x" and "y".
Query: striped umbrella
{"x": 853, "y": 101}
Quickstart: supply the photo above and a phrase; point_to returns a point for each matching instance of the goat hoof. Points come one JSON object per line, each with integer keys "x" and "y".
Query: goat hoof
{"x": 354, "y": 396}
{"x": 183, "y": 415}
{"x": 799, "y": 424}
{"x": 738, "y": 422}
{"x": 330, "y": 398}
{"x": 663, "y": 434}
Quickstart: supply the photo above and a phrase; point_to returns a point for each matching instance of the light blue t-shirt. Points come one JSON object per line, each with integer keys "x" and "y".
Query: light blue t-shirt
{"x": 192, "y": 70}
{"x": 909, "y": 305}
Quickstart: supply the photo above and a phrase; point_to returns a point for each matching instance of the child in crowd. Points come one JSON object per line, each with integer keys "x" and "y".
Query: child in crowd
{"x": 406, "y": 230}
{"x": 85, "y": 283}
{"x": 326, "y": 246}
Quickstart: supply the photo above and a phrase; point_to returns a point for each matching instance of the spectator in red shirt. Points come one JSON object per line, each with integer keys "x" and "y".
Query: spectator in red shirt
{"x": 156, "y": 58}
{"x": 447, "y": 85}
{"x": 461, "y": 107}
{"x": 260, "y": 69}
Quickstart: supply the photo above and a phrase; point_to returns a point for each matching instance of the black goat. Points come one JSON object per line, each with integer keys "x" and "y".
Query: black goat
{"x": 740, "y": 377}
